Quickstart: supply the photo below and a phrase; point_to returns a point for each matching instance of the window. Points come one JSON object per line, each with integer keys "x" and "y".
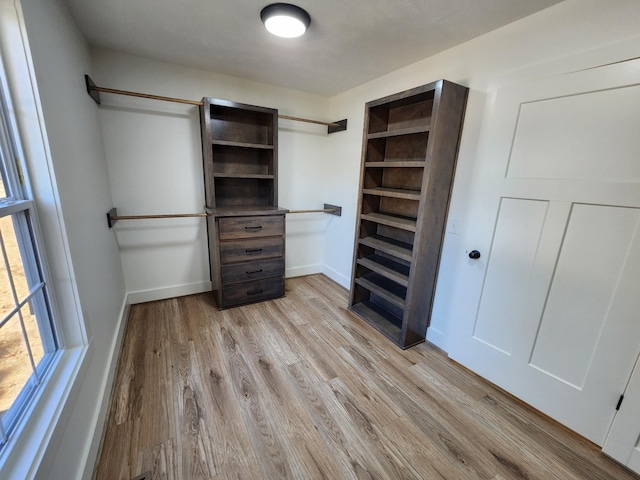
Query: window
{"x": 28, "y": 340}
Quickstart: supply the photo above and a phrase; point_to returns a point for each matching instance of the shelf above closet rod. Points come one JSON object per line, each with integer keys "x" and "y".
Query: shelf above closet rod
{"x": 94, "y": 92}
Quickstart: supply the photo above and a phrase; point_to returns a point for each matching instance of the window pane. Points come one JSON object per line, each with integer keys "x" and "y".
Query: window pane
{"x": 32, "y": 331}
{"x": 15, "y": 263}
{"x": 15, "y": 366}
{"x": 7, "y": 302}
{"x": 23, "y": 345}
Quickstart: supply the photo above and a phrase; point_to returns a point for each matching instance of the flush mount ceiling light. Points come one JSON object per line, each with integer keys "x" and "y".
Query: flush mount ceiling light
{"x": 285, "y": 20}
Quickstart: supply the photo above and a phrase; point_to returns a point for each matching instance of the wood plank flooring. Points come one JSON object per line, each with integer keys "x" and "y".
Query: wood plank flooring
{"x": 301, "y": 388}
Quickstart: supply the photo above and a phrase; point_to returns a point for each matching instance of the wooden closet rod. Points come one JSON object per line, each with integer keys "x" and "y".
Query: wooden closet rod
{"x": 94, "y": 92}
{"x": 95, "y": 88}
{"x": 113, "y": 217}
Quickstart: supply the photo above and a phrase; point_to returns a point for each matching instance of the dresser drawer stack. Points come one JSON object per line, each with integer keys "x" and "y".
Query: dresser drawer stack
{"x": 251, "y": 259}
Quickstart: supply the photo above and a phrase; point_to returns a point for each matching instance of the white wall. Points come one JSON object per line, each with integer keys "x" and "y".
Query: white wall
{"x": 155, "y": 165}
{"x": 60, "y": 58}
{"x": 482, "y": 64}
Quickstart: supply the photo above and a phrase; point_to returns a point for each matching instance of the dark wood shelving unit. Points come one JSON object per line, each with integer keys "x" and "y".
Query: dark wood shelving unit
{"x": 246, "y": 229}
{"x": 408, "y": 162}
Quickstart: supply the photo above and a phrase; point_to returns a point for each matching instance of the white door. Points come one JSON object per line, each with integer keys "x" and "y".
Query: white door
{"x": 623, "y": 441}
{"x": 549, "y": 312}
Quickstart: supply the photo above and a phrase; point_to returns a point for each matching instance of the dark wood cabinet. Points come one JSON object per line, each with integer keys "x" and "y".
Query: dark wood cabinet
{"x": 409, "y": 154}
{"x": 246, "y": 229}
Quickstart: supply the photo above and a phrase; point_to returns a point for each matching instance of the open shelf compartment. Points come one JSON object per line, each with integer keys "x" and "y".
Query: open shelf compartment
{"x": 236, "y": 125}
{"x": 412, "y": 112}
{"x": 233, "y": 160}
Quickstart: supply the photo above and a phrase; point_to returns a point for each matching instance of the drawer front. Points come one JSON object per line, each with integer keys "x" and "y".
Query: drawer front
{"x": 230, "y": 228}
{"x": 250, "y": 271}
{"x": 251, "y": 250}
{"x": 252, "y": 292}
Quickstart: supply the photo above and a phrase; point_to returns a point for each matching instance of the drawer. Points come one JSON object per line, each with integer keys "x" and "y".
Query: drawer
{"x": 251, "y": 250}
{"x": 250, "y": 271}
{"x": 252, "y": 292}
{"x": 230, "y": 228}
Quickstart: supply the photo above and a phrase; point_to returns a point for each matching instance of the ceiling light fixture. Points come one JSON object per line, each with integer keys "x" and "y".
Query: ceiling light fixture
{"x": 285, "y": 20}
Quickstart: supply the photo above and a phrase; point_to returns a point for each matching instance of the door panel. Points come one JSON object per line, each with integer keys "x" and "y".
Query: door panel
{"x": 517, "y": 234}
{"x": 550, "y": 137}
{"x": 549, "y": 312}
{"x": 595, "y": 247}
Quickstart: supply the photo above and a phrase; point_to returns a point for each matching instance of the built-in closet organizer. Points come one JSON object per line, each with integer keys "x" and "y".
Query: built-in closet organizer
{"x": 246, "y": 228}
{"x": 409, "y": 154}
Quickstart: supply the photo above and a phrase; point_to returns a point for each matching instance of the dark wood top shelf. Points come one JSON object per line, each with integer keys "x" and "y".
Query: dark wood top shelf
{"x": 387, "y": 323}
{"x": 245, "y": 210}
{"x": 384, "y": 288}
{"x": 242, "y": 175}
{"x": 400, "y": 131}
{"x": 399, "y": 164}
{"x": 391, "y": 221}
{"x": 227, "y": 143}
{"x": 393, "y": 193}
{"x": 386, "y": 267}
{"x": 388, "y": 245}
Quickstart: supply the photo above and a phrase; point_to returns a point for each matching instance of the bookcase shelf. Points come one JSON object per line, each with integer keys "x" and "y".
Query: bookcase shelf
{"x": 399, "y": 132}
{"x": 391, "y": 221}
{"x": 383, "y": 287}
{"x": 393, "y": 193}
{"x": 408, "y": 162}
{"x": 387, "y": 267}
{"x": 243, "y": 175}
{"x": 397, "y": 164}
{"x": 226, "y": 143}
{"x": 389, "y": 246}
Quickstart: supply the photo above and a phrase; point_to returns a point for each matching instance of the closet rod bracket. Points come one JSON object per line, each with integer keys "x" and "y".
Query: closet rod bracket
{"x": 112, "y": 217}
{"x": 333, "y": 209}
{"x": 91, "y": 91}
{"x": 339, "y": 126}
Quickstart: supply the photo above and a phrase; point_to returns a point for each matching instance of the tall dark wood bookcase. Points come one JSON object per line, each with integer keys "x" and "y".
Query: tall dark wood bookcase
{"x": 246, "y": 229}
{"x": 410, "y": 147}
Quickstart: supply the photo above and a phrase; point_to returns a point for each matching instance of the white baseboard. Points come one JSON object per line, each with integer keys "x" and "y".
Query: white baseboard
{"x": 143, "y": 296}
{"x": 99, "y": 422}
{"x": 337, "y": 277}
{"x": 437, "y": 337}
{"x": 302, "y": 271}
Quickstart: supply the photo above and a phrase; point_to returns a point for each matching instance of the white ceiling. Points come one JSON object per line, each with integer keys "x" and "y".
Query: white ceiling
{"x": 348, "y": 43}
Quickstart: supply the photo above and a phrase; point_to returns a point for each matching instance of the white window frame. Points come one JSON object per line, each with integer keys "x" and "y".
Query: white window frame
{"x": 21, "y": 209}
{"x": 36, "y": 430}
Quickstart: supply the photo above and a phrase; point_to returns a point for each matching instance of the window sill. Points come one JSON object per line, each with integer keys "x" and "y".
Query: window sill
{"x": 25, "y": 449}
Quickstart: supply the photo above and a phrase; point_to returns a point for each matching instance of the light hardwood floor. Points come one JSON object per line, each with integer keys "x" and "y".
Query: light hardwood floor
{"x": 301, "y": 388}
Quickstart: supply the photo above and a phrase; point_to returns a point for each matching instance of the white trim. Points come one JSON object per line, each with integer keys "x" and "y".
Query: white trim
{"x": 98, "y": 424}
{"x": 143, "y": 296}
{"x": 337, "y": 277}
{"x": 437, "y": 337}
{"x": 302, "y": 271}
{"x": 23, "y": 453}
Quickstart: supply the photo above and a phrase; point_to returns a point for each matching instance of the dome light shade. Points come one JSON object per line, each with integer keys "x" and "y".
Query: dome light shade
{"x": 285, "y": 20}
